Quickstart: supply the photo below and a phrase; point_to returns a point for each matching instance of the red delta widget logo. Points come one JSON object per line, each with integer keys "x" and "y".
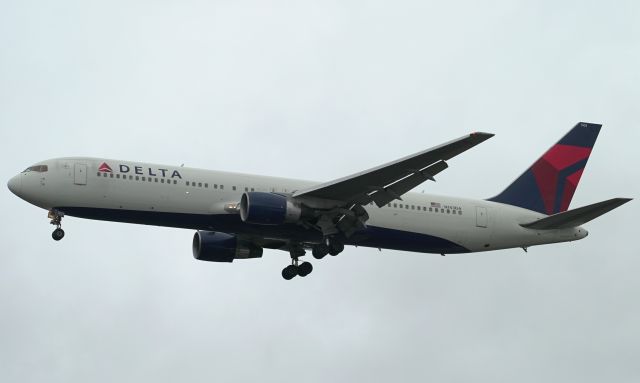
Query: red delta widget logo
{"x": 104, "y": 168}
{"x": 141, "y": 170}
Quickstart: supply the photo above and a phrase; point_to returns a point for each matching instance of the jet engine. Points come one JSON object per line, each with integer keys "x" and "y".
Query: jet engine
{"x": 220, "y": 247}
{"x": 269, "y": 209}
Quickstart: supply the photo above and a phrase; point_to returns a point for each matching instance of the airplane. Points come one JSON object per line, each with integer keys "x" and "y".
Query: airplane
{"x": 236, "y": 216}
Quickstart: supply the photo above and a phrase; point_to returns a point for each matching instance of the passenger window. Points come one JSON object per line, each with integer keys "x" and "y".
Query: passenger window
{"x": 150, "y": 179}
{"x": 199, "y": 184}
{"x": 413, "y": 207}
{"x": 110, "y": 175}
{"x": 117, "y": 175}
{"x": 252, "y": 189}
{"x": 400, "y": 205}
{"x": 175, "y": 182}
{"x": 98, "y": 173}
{"x": 155, "y": 180}
{"x": 431, "y": 209}
{"x": 221, "y": 187}
{"x": 144, "y": 178}
{"x": 233, "y": 188}
{"x": 395, "y": 205}
{"x": 206, "y": 185}
{"x": 187, "y": 183}
{"x": 448, "y": 211}
{"x": 161, "y": 180}
{"x": 459, "y": 212}
{"x": 137, "y": 178}
{"x": 104, "y": 174}
{"x": 406, "y": 207}
{"x": 215, "y": 186}
{"x": 130, "y": 177}
{"x": 441, "y": 210}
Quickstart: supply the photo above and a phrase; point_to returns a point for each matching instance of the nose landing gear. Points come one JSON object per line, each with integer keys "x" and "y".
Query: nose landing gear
{"x": 56, "y": 219}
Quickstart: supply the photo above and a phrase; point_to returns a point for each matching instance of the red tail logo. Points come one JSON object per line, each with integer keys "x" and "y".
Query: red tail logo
{"x": 105, "y": 168}
{"x": 549, "y": 184}
{"x": 557, "y": 175}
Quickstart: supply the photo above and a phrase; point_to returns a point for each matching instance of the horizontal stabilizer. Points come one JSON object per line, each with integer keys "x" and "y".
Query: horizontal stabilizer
{"x": 576, "y": 217}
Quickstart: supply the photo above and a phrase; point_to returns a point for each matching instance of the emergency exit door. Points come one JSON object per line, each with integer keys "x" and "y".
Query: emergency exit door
{"x": 481, "y": 216}
{"x": 80, "y": 174}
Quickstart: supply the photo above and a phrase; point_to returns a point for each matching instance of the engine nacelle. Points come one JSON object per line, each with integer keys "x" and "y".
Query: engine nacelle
{"x": 220, "y": 247}
{"x": 268, "y": 209}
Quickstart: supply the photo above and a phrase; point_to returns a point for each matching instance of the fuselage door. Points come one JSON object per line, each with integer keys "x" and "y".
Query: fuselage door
{"x": 80, "y": 174}
{"x": 481, "y": 216}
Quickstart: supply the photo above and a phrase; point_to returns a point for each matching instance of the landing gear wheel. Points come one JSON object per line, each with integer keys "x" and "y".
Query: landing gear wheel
{"x": 57, "y": 234}
{"x": 289, "y": 272}
{"x": 304, "y": 269}
{"x": 295, "y": 268}
{"x": 319, "y": 251}
{"x": 335, "y": 248}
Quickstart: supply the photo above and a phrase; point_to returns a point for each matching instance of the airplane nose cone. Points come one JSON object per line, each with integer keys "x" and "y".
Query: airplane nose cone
{"x": 15, "y": 184}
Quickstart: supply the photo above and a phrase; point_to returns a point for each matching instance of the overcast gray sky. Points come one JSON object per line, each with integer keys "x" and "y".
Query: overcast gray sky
{"x": 318, "y": 90}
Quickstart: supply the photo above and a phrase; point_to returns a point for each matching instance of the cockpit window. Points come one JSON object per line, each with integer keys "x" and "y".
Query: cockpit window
{"x": 37, "y": 168}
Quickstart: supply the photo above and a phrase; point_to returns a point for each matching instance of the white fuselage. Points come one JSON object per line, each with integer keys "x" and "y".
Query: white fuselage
{"x": 201, "y": 199}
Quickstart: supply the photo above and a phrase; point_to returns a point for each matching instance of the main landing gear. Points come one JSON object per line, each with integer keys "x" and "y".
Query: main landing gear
{"x": 56, "y": 219}
{"x": 302, "y": 269}
{"x": 329, "y": 246}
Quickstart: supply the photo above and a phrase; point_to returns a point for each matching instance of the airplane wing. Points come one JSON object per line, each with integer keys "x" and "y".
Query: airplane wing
{"x": 390, "y": 181}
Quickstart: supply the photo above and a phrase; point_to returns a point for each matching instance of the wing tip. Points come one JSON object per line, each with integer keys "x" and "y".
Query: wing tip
{"x": 482, "y": 136}
{"x": 620, "y": 200}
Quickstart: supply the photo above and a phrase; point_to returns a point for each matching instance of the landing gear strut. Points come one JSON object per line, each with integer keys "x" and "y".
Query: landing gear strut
{"x": 56, "y": 219}
{"x": 294, "y": 269}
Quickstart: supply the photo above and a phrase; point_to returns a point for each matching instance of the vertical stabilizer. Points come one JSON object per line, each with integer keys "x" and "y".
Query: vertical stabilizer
{"x": 548, "y": 185}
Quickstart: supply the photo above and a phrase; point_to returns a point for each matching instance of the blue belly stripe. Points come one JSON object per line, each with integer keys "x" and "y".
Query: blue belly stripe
{"x": 372, "y": 236}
